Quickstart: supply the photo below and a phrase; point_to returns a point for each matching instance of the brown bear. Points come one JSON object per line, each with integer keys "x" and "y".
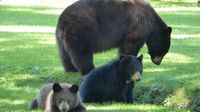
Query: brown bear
{"x": 58, "y": 98}
{"x": 90, "y": 26}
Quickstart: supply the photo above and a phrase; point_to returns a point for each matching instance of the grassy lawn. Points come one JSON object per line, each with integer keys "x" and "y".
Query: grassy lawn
{"x": 29, "y": 58}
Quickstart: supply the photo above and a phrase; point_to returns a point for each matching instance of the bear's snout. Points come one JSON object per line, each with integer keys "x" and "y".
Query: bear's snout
{"x": 157, "y": 60}
{"x": 136, "y": 76}
{"x": 64, "y": 110}
{"x": 64, "y": 107}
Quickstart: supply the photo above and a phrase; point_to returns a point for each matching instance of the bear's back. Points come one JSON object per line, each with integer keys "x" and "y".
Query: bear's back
{"x": 103, "y": 20}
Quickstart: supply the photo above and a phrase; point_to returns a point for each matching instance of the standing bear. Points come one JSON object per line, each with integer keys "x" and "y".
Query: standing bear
{"x": 112, "y": 82}
{"x": 58, "y": 98}
{"x": 90, "y": 26}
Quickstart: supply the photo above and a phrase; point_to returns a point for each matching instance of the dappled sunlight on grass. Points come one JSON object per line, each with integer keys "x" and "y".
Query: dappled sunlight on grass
{"x": 116, "y": 107}
{"x": 176, "y": 9}
{"x": 52, "y": 3}
{"x": 10, "y": 40}
{"x": 174, "y": 3}
{"x": 11, "y": 82}
{"x": 38, "y": 10}
{"x": 185, "y": 25}
{"x": 31, "y": 18}
{"x": 29, "y": 58}
{"x": 4, "y": 39}
{"x": 178, "y": 58}
{"x": 187, "y": 77}
{"x": 170, "y": 58}
{"x": 3, "y": 102}
{"x": 47, "y": 41}
{"x": 55, "y": 12}
{"x": 27, "y": 29}
{"x": 15, "y": 88}
{"x": 182, "y": 36}
{"x": 15, "y": 102}
{"x": 157, "y": 69}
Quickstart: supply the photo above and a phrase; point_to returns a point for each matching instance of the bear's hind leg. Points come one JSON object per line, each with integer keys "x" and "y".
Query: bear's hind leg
{"x": 65, "y": 58}
{"x": 67, "y": 64}
{"x": 83, "y": 62}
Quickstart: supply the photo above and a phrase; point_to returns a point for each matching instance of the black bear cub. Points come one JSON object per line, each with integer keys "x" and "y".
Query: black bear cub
{"x": 58, "y": 98}
{"x": 113, "y": 82}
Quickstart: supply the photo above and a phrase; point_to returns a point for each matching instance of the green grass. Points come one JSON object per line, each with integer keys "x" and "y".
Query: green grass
{"x": 29, "y": 59}
{"x": 173, "y": 3}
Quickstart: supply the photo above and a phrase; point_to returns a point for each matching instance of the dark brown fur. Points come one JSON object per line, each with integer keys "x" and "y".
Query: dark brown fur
{"x": 89, "y": 26}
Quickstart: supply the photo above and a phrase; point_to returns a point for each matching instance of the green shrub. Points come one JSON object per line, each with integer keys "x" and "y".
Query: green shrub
{"x": 154, "y": 93}
{"x": 194, "y": 104}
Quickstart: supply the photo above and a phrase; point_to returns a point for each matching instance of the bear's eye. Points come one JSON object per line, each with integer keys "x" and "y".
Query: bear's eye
{"x": 68, "y": 100}
{"x": 60, "y": 100}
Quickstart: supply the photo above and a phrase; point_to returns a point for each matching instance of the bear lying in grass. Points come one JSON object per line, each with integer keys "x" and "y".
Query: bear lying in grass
{"x": 58, "y": 98}
{"x": 112, "y": 82}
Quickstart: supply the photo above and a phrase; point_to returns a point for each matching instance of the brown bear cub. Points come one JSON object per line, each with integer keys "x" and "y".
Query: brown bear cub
{"x": 56, "y": 97}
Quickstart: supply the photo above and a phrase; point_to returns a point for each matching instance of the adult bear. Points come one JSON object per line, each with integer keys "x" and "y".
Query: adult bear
{"x": 90, "y": 26}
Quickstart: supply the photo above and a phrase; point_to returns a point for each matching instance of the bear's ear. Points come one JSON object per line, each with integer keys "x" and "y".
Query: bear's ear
{"x": 74, "y": 88}
{"x": 140, "y": 58}
{"x": 168, "y": 30}
{"x": 122, "y": 58}
{"x": 56, "y": 87}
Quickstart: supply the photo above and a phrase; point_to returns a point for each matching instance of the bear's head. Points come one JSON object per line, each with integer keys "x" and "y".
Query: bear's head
{"x": 159, "y": 44}
{"x": 65, "y": 97}
{"x": 131, "y": 67}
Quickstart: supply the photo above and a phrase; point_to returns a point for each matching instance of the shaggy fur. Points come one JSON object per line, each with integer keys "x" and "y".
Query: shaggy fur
{"x": 90, "y": 26}
{"x": 58, "y": 98}
{"x": 112, "y": 82}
